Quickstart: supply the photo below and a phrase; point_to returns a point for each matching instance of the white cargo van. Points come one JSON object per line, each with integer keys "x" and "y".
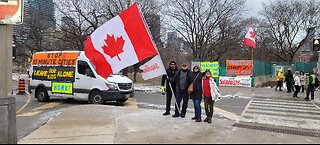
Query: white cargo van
{"x": 70, "y": 74}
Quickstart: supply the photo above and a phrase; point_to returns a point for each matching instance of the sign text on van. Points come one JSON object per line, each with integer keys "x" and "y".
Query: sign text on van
{"x": 55, "y": 59}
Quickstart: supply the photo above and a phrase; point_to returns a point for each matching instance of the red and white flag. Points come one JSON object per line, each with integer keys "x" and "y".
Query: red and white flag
{"x": 153, "y": 68}
{"x": 249, "y": 39}
{"x": 121, "y": 42}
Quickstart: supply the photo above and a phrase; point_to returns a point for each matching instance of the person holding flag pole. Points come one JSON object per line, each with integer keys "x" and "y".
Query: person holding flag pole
{"x": 171, "y": 71}
{"x": 155, "y": 68}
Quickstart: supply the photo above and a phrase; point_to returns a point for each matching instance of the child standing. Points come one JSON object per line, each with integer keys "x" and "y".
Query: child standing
{"x": 210, "y": 93}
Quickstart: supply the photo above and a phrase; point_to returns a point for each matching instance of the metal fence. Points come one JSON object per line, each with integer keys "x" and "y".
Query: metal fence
{"x": 262, "y": 68}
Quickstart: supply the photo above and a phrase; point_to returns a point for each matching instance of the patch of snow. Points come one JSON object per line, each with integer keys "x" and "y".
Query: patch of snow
{"x": 16, "y": 76}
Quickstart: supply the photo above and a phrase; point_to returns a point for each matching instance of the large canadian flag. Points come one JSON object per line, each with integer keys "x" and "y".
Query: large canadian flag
{"x": 249, "y": 39}
{"x": 153, "y": 68}
{"x": 121, "y": 42}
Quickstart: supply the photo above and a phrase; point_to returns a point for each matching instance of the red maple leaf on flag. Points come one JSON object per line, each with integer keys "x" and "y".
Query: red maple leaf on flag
{"x": 113, "y": 47}
{"x": 252, "y": 34}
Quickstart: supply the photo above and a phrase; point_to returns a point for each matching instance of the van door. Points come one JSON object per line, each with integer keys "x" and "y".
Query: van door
{"x": 83, "y": 81}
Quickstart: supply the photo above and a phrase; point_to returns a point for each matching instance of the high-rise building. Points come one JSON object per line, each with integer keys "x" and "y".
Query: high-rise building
{"x": 172, "y": 40}
{"x": 154, "y": 23}
{"x": 44, "y": 8}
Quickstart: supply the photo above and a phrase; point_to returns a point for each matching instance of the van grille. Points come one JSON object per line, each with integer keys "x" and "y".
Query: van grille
{"x": 125, "y": 86}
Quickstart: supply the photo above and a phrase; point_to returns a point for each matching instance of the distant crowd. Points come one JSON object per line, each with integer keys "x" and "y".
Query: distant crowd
{"x": 299, "y": 81}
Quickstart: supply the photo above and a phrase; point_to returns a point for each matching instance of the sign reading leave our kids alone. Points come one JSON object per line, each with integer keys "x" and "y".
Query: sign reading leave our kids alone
{"x": 239, "y": 67}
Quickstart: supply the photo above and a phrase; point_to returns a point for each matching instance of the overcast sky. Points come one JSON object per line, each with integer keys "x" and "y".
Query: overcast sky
{"x": 253, "y": 7}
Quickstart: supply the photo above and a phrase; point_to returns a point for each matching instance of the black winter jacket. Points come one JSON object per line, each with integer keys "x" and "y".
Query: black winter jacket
{"x": 171, "y": 73}
{"x": 197, "y": 86}
{"x": 175, "y": 80}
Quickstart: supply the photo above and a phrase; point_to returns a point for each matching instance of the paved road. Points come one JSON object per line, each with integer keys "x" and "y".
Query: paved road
{"x": 34, "y": 114}
{"x": 263, "y": 110}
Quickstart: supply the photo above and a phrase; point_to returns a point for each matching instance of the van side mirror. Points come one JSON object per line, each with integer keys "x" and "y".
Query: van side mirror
{"x": 89, "y": 73}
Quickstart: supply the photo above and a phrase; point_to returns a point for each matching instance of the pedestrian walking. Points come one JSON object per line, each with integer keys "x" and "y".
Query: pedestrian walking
{"x": 317, "y": 83}
{"x": 311, "y": 86}
{"x": 289, "y": 80}
{"x": 181, "y": 79}
{"x": 196, "y": 94}
{"x": 171, "y": 71}
{"x": 297, "y": 84}
{"x": 280, "y": 79}
{"x": 210, "y": 93}
{"x": 302, "y": 81}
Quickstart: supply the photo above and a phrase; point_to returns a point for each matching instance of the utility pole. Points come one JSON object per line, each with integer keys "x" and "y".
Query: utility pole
{"x": 8, "y": 131}
{"x": 11, "y": 12}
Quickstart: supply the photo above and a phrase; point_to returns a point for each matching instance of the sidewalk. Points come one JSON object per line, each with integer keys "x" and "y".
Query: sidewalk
{"x": 107, "y": 124}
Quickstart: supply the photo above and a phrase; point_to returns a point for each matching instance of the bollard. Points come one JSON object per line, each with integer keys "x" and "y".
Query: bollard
{"x": 21, "y": 87}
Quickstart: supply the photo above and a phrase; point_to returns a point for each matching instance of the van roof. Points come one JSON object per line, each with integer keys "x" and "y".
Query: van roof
{"x": 59, "y": 51}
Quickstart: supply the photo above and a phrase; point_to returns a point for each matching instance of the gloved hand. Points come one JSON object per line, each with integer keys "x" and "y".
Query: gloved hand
{"x": 163, "y": 89}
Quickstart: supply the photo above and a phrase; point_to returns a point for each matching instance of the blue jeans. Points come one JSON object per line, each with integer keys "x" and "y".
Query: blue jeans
{"x": 197, "y": 108}
{"x": 182, "y": 95}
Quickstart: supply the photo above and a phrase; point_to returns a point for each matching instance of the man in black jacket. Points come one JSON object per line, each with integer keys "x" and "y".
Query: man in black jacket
{"x": 289, "y": 80}
{"x": 171, "y": 71}
{"x": 182, "y": 81}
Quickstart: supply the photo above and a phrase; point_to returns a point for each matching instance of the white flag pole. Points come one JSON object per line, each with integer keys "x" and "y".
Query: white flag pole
{"x": 168, "y": 79}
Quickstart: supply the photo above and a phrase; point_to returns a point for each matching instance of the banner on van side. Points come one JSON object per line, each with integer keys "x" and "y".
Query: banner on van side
{"x": 55, "y": 59}
{"x": 64, "y": 74}
{"x": 62, "y": 88}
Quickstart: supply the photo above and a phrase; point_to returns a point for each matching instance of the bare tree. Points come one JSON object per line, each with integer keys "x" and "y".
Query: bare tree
{"x": 203, "y": 23}
{"x": 33, "y": 32}
{"x": 287, "y": 22}
{"x": 33, "y": 35}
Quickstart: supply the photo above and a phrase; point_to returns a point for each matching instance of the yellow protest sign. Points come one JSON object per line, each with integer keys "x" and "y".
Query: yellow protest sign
{"x": 212, "y": 66}
{"x": 62, "y": 88}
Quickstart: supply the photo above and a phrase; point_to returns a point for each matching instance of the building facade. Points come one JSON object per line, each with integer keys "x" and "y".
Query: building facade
{"x": 45, "y": 8}
{"x": 306, "y": 53}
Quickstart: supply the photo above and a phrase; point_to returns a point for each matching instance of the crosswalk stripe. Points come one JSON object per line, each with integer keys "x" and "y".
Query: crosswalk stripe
{"x": 285, "y": 114}
{"x": 286, "y": 107}
{"x": 282, "y": 100}
{"x": 283, "y": 121}
{"x": 281, "y": 112}
{"x": 283, "y": 103}
{"x": 286, "y": 110}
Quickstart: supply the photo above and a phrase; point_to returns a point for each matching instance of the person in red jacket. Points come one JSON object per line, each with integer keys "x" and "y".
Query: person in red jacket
{"x": 210, "y": 93}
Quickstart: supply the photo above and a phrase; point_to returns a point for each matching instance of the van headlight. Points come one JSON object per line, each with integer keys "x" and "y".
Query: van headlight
{"x": 112, "y": 86}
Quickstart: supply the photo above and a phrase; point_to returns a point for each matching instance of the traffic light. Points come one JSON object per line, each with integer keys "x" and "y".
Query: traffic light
{"x": 4, "y": 0}
{"x": 14, "y": 50}
{"x": 316, "y": 44}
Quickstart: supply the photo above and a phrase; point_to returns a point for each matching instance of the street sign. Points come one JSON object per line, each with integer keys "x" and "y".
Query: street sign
{"x": 11, "y": 11}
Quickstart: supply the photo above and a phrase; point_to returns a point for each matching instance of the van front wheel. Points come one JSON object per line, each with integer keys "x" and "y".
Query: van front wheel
{"x": 42, "y": 95}
{"x": 96, "y": 98}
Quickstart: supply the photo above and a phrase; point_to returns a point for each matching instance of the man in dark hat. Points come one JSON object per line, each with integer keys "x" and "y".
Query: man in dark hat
{"x": 171, "y": 71}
